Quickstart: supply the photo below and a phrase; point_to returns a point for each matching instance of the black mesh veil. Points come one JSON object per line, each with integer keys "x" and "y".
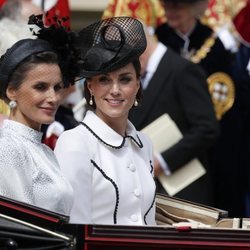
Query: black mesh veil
{"x": 110, "y": 44}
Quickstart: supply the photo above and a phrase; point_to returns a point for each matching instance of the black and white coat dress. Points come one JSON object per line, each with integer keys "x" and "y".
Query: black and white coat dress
{"x": 111, "y": 175}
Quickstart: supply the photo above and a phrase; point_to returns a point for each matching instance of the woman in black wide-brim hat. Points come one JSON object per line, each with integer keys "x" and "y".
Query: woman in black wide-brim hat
{"x": 107, "y": 161}
{"x": 33, "y": 73}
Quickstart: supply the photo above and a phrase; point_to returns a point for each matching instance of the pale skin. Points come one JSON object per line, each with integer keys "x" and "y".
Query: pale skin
{"x": 114, "y": 94}
{"x": 38, "y": 97}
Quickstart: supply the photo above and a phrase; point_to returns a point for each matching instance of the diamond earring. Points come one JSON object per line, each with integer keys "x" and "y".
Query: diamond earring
{"x": 12, "y": 104}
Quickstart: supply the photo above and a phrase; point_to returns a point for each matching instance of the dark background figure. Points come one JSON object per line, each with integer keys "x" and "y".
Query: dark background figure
{"x": 178, "y": 87}
{"x": 196, "y": 41}
{"x": 233, "y": 182}
{"x": 189, "y": 37}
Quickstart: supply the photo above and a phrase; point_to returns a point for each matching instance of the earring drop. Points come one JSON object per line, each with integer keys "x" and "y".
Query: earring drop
{"x": 136, "y": 103}
{"x": 91, "y": 101}
{"x": 12, "y": 104}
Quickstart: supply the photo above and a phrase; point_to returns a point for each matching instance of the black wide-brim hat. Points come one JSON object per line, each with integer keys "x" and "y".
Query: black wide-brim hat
{"x": 17, "y": 54}
{"x": 110, "y": 44}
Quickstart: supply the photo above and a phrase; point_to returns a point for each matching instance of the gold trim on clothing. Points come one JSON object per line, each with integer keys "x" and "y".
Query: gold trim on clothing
{"x": 202, "y": 52}
{"x": 150, "y": 12}
{"x": 222, "y": 90}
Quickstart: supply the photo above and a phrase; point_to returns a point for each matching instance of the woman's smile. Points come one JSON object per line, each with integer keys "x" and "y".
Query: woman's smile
{"x": 114, "y": 102}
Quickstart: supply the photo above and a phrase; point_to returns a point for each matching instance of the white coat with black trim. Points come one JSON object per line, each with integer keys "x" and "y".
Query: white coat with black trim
{"x": 111, "y": 175}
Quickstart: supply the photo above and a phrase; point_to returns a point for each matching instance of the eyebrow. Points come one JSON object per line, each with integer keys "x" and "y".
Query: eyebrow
{"x": 120, "y": 74}
{"x": 126, "y": 73}
{"x": 47, "y": 83}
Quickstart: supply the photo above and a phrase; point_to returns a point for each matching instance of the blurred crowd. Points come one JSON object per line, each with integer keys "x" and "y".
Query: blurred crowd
{"x": 196, "y": 68}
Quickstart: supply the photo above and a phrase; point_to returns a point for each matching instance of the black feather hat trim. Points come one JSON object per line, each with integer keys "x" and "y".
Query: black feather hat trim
{"x": 62, "y": 41}
{"x": 15, "y": 55}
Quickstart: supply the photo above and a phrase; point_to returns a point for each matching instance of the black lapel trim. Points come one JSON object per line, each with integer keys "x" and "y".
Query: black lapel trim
{"x": 139, "y": 143}
{"x": 152, "y": 204}
{"x": 152, "y": 167}
{"x": 105, "y": 143}
{"x": 116, "y": 190}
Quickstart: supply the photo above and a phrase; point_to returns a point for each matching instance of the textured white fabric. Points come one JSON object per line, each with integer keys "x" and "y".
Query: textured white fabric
{"x": 112, "y": 176}
{"x": 29, "y": 170}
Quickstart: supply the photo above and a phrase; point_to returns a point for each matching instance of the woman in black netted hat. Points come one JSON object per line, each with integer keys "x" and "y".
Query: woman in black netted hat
{"x": 107, "y": 161}
{"x": 33, "y": 73}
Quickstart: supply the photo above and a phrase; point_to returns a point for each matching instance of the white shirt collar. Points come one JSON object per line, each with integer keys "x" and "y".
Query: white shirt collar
{"x": 155, "y": 58}
{"x": 106, "y": 134}
{"x": 153, "y": 63}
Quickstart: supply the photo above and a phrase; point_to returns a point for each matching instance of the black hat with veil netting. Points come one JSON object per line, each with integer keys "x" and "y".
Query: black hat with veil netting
{"x": 55, "y": 37}
{"x": 110, "y": 44}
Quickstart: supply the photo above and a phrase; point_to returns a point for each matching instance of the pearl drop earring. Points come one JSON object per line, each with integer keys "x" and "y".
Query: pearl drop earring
{"x": 91, "y": 101}
{"x": 136, "y": 103}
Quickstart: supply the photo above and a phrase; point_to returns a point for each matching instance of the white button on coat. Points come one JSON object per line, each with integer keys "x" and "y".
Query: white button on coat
{"x": 132, "y": 167}
{"x": 134, "y": 218}
{"x": 137, "y": 193}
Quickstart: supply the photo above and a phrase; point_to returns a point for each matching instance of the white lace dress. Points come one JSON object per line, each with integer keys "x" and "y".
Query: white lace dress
{"x": 29, "y": 171}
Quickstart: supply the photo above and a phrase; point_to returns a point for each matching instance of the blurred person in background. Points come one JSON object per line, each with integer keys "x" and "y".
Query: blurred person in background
{"x": 14, "y": 16}
{"x": 175, "y": 86}
{"x": 189, "y": 37}
{"x": 233, "y": 183}
{"x": 199, "y": 43}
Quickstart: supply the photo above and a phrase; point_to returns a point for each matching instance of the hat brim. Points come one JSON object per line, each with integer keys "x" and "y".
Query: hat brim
{"x": 110, "y": 44}
{"x": 111, "y": 61}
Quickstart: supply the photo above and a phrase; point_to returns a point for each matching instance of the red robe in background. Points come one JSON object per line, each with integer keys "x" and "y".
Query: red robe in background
{"x": 2, "y": 2}
{"x": 60, "y": 9}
